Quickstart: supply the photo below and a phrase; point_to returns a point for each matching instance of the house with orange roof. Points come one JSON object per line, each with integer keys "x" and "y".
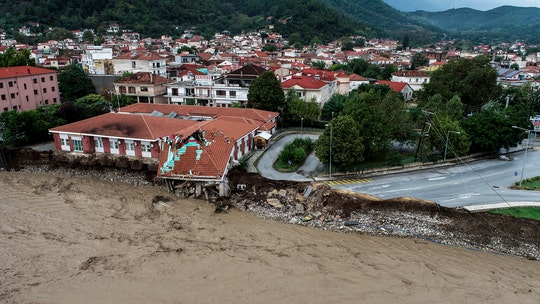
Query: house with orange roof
{"x": 349, "y": 82}
{"x": 416, "y": 79}
{"x": 399, "y": 87}
{"x": 143, "y": 87}
{"x": 309, "y": 89}
{"x": 187, "y": 145}
{"x": 25, "y": 88}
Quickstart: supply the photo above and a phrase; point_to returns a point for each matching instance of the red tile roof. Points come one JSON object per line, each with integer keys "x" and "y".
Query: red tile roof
{"x": 143, "y": 127}
{"x": 304, "y": 82}
{"x": 184, "y": 110}
{"x": 203, "y": 150}
{"x": 395, "y": 86}
{"x": 409, "y": 73}
{"x": 140, "y": 55}
{"x": 144, "y": 78}
{"x": 19, "y": 71}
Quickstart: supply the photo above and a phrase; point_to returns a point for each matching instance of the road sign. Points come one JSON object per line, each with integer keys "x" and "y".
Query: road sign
{"x": 516, "y": 173}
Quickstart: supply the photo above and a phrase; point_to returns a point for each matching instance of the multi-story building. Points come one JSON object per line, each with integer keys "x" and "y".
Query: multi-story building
{"x": 25, "y": 88}
{"x": 143, "y": 87}
{"x": 220, "y": 92}
{"x": 140, "y": 61}
{"x": 414, "y": 78}
{"x": 97, "y": 60}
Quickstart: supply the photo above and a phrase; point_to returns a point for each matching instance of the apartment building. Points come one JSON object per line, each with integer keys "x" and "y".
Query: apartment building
{"x": 25, "y": 88}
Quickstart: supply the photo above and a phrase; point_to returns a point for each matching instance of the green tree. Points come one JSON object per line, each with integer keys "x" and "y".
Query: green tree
{"x": 265, "y": 93}
{"x": 387, "y": 71}
{"x": 473, "y": 80}
{"x": 347, "y": 147}
{"x": 419, "y": 60}
{"x": 92, "y": 105}
{"x": 333, "y": 107}
{"x": 60, "y": 33}
{"x": 406, "y": 42}
{"x": 88, "y": 36}
{"x": 514, "y": 66}
{"x": 490, "y": 130}
{"x": 319, "y": 65}
{"x": 73, "y": 83}
{"x": 12, "y": 57}
{"x": 28, "y": 127}
{"x": 269, "y": 47}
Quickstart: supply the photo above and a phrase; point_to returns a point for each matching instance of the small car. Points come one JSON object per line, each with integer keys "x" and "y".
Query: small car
{"x": 504, "y": 157}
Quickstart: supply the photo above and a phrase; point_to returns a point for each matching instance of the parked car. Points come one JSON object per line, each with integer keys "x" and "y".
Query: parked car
{"x": 504, "y": 157}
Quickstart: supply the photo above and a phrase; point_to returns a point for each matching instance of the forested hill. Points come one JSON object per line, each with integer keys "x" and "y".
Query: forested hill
{"x": 503, "y": 23}
{"x": 312, "y": 20}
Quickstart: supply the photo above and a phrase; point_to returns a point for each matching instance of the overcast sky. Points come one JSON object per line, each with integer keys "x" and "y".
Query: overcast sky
{"x": 442, "y": 5}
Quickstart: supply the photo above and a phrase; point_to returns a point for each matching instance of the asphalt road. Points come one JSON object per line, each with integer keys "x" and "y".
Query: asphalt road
{"x": 466, "y": 184}
{"x": 480, "y": 182}
{"x": 265, "y": 164}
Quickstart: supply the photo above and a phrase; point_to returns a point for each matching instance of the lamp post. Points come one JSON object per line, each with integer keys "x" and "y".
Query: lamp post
{"x": 330, "y": 156}
{"x": 446, "y": 145}
{"x": 301, "y": 126}
{"x": 526, "y": 148}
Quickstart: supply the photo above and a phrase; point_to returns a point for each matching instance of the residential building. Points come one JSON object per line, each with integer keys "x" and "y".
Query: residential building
{"x": 414, "y": 78}
{"x": 25, "y": 88}
{"x": 219, "y": 92}
{"x": 399, "y": 87}
{"x": 143, "y": 87}
{"x": 309, "y": 89}
{"x": 97, "y": 60}
{"x": 140, "y": 61}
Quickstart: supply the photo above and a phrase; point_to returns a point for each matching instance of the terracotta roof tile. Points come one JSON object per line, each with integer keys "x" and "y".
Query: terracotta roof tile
{"x": 19, "y": 71}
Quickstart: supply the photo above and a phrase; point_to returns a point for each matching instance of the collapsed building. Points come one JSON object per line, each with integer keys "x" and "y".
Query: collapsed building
{"x": 192, "y": 148}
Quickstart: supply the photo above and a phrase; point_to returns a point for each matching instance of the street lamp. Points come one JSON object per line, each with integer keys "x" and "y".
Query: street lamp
{"x": 446, "y": 145}
{"x": 330, "y": 156}
{"x": 526, "y": 148}
{"x": 301, "y": 126}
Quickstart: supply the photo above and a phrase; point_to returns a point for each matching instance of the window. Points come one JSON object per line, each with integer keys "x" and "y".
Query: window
{"x": 144, "y": 89}
{"x": 54, "y": 100}
{"x": 114, "y": 144}
{"x": 131, "y": 90}
{"x": 122, "y": 89}
{"x": 98, "y": 141}
{"x": 3, "y": 96}
{"x": 10, "y": 84}
{"x": 46, "y": 101}
{"x": 35, "y": 92}
{"x": 42, "y": 79}
{"x": 44, "y": 90}
{"x": 6, "y": 109}
{"x": 24, "y": 85}
{"x": 98, "y": 144}
{"x": 174, "y": 92}
{"x": 232, "y": 94}
{"x": 27, "y": 100}
{"x": 53, "y": 89}
{"x": 77, "y": 144}
{"x": 51, "y": 78}
{"x": 12, "y": 95}
{"x": 1, "y": 85}
{"x": 133, "y": 64}
{"x": 146, "y": 147}
{"x": 220, "y": 93}
{"x": 35, "y": 80}
{"x": 64, "y": 141}
{"x": 130, "y": 148}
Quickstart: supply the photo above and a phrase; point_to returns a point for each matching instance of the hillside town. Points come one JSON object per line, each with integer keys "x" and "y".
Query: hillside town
{"x": 185, "y": 90}
{"x": 217, "y": 72}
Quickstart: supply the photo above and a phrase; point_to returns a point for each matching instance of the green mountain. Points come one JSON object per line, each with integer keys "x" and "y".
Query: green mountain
{"x": 503, "y": 23}
{"x": 304, "y": 21}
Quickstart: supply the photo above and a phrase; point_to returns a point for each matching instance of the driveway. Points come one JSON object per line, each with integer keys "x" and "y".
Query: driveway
{"x": 269, "y": 157}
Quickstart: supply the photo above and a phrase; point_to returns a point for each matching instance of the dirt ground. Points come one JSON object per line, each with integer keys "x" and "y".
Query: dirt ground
{"x": 68, "y": 238}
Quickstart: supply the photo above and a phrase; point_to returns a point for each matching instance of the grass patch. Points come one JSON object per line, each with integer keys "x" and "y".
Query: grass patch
{"x": 520, "y": 212}
{"x": 532, "y": 183}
